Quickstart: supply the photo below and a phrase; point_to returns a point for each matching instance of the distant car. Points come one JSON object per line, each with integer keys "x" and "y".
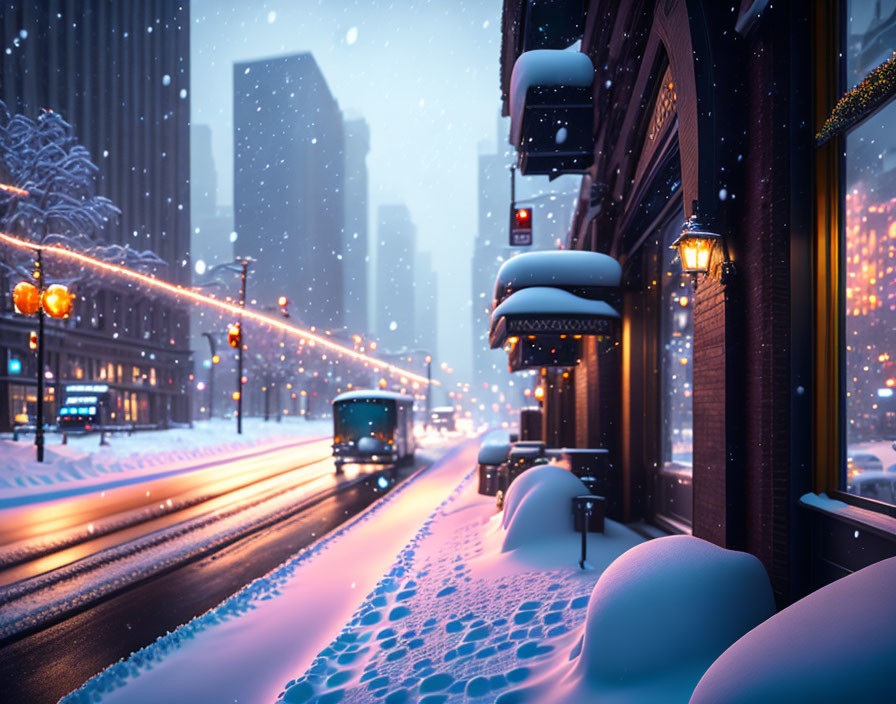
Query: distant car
{"x": 373, "y": 427}
{"x": 879, "y": 486}
{"x": 442, "y": 418}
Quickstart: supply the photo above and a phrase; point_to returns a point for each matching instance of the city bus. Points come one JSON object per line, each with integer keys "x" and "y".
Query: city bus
{"x": 373, "y": 427}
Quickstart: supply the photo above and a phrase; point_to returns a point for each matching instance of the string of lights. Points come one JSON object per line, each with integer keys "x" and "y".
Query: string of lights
{"x": 198, "y": 298}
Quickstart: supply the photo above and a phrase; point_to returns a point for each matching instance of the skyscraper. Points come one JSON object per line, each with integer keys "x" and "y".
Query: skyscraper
{"x": 356, "y": 258}
{"x": 289, "y": 176}
{"x": 426, "y": 304}
{"x": 395, "y": 261}
{"x": 121, "y": 78}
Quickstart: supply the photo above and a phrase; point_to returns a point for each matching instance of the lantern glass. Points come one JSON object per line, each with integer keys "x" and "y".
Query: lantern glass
{"x": 695, "y": 251}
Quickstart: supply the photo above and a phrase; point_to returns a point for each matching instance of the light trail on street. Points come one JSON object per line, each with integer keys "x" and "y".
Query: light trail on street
{"x": 231, "y": 308}
{"x": 141, "y": 552}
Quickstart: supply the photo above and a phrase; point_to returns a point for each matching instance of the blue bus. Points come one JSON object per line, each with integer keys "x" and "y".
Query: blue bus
{"x": 373, "y": 427}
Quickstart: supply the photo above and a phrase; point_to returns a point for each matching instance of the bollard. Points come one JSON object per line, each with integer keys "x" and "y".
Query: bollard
{"x": 588, "y": 515}
{"x": 65, "y": 438}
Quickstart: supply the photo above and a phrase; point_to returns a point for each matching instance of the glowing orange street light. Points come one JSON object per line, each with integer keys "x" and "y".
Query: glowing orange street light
{"x": 539, "y": 393}
{"x": 215, "y": 359}
{"x": 235, "y": 395}
{"x": 57, "y": 301}
{"x": 26, "y": 298}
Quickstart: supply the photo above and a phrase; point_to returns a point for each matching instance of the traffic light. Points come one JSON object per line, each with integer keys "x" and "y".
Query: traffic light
{"x": 32, "y": 340}
{"x": 283, "y": 301}
{"x": 521, "y": 227}
{"x": 233, "y": 336}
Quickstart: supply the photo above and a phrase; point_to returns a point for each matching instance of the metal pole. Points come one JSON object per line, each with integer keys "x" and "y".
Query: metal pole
{"x": 239, "y": 364}
{"x": 39, "y": 430}
{"x": 512, "y": 196}
{"x": 211, "y": 375}
{"x": 428, "y": 387}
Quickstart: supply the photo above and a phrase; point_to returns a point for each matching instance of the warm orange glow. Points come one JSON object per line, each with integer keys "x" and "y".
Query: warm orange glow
{"x": 199, "y": 298}
{"x": 32, "y": 340}
{"x": 282, "y": 301}
{"x": 26, "y": 298}
{"x": 216, "y": 359}
{"x": 235, "y": 395}
{"x": 539, "y": 393}
{"x": 15, "y": 190}
{"x": 57, "y": 301}
{"x": 522, "y": 214}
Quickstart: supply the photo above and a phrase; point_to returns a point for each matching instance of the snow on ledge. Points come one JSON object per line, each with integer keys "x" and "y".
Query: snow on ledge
{"x": 833, "y": 507}
{"x": 557, "y": 268}
{"x": 544, "y": 67}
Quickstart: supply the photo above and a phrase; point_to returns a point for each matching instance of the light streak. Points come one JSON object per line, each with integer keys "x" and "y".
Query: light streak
{"x": 15, "y": 190}
{"x": 199, "y": 298}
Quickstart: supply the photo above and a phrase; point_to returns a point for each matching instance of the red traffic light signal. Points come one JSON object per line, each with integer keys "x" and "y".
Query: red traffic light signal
{"x": 233, "y": 335}
{"x": 521, "y": 227}
{"x": 32, "y": 340}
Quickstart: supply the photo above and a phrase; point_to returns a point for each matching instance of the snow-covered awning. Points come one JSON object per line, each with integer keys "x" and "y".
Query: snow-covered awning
{"x": 587, "y": 274}
{"x": 544, "y": 310}
{"x": 551, "y": 111}
{"x": 536, "y": 24}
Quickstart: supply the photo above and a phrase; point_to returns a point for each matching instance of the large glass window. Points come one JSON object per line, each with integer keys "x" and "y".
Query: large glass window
{"x": 869, "y": 173}
{"x": 676, "y": 337}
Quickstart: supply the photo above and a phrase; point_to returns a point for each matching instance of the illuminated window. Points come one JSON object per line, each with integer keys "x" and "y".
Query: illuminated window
{"x": 869, "y": 295}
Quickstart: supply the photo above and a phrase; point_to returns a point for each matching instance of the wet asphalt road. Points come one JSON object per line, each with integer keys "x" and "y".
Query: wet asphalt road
{"x": 46, "y": 665}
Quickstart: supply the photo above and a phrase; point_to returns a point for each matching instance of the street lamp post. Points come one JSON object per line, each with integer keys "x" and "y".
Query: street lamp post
{"x": 239, "y": 364}
{"x": 39, "y": 430}
{"x": 211, "y": 374}
{"x": 428, "y": 385}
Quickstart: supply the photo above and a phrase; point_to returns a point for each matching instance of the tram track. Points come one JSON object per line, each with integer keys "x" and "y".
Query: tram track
{"x": 149, "y": 548}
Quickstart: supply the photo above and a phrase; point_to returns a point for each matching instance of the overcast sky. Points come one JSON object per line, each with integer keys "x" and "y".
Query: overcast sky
{"x": 424, "y": 74}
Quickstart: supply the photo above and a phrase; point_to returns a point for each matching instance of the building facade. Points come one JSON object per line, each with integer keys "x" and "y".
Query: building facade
{"x": 396, "y": 259}
{"x": 127, "y": 99}
{"x": 289, "y": 176}
{"x": 356, "y": 291}
{"x": 729, "y": 396}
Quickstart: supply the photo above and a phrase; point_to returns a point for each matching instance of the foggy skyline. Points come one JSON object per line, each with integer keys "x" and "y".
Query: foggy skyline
{"x": 420, "y": 74}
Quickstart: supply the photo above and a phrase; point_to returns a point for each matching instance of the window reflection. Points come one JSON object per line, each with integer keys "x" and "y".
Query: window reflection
{"x": 676, "y": 383}
{"x": 870, "y": 270}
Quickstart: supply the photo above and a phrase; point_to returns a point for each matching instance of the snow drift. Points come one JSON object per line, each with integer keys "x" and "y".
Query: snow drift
{"x": 835, "y": 645}
{"x": 538, "y": 506}
{"x": 657, "y": 618}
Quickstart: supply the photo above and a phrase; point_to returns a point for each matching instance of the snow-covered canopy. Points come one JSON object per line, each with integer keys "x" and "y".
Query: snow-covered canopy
{"x": 544, "y": 67}
{"x": 547, "y": 310}
{"x": 558, "y": 268}
{"x": 372, "y": 394}
{"x": 494, "y": 453}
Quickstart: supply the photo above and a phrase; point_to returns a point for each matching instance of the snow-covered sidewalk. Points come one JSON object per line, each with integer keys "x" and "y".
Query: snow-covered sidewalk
{"x": 448, "y": 611}
{"x": 83, "y": 466}
{"x": 247, "y": 648}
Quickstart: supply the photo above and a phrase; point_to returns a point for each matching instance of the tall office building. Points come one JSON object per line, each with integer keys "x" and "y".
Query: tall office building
{"x": 289, "y": 176}
{"x": 426, "y": 311}
{"x": 395, "y": 260}
{"x": 126, "y": 96}
{"x": 355, "y": 254}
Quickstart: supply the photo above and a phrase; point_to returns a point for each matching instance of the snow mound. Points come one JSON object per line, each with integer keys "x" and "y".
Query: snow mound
{"x": 538, "y": 506}
{"x": 657, "y": 618}
{"x": 838, "y": 644}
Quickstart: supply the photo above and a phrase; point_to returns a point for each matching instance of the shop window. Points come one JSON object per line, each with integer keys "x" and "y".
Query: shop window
{"x": 869, "y": 246}
{"x": 676, "y": 335}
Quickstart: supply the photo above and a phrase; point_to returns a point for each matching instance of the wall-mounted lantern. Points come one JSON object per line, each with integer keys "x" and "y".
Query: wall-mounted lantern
{"x": 696, "y": 245}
